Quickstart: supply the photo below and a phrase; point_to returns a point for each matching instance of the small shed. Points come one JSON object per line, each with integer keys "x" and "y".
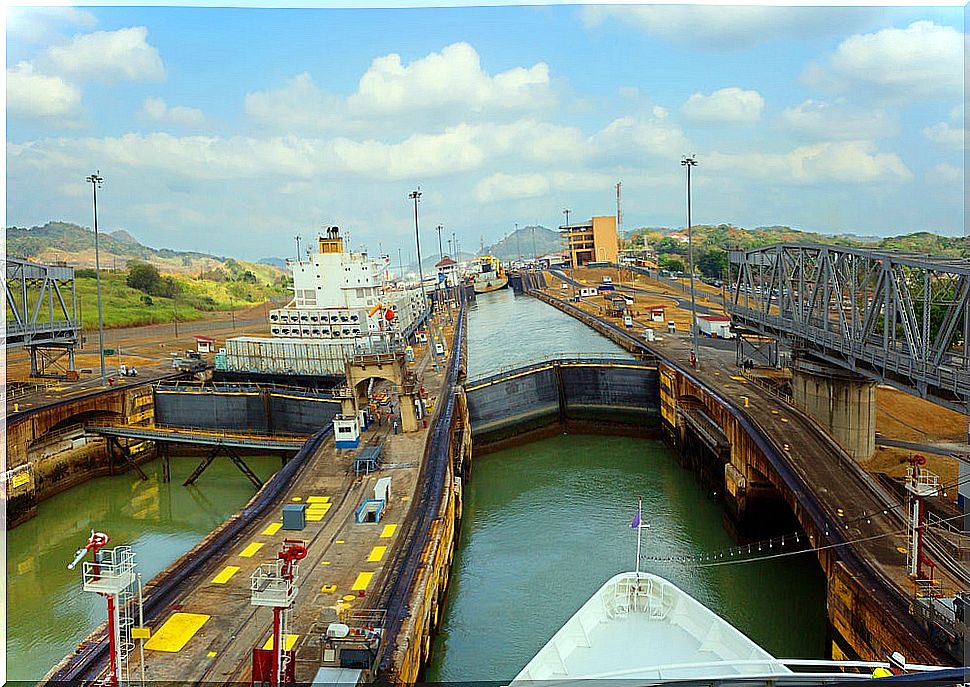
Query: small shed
{"x": 657, "y": 313}
{"x": 346, "y": 431}
{"x": 368, "y": 460}
{"x": 205, "y": 344}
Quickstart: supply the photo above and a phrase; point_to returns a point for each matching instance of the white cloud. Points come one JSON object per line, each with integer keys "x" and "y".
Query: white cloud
{"x": 638, "y": 134}
{"x": 725, "y": 106}
{"x": 450, "y": 86}
{"x": 39, "y": 24}
{"x": 298, "y": 104}
{"x": 944, "y": 173}
{"x": 156, "y": 110}
{"x": 452, "y": 77}
{"x": 508, "y": 186}
{"x": 951, "y": 134}
{"x": 36, "y": 95}
{"x": 730, "y": 27}
{"x": 818, "y": 120}
{"x": 921, "y": 62}
{"x": 847, "y": 162}
{"x": 106, "y": 56}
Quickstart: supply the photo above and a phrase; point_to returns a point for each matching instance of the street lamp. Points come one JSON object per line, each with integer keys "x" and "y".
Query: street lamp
{"x": 689, "y": 162}
{"x": 415, "y": 195}
{"x": 566, "y": 237}
{"x": 441, "y": 254}
{"x": 96, "y": 180}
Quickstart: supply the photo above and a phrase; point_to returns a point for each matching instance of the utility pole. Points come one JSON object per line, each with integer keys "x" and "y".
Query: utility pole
{"x": 96, "y": 180}
{"x": 416, "y": 197}
{"x": 441, "y": 253}
{"x": 689, "y": 162}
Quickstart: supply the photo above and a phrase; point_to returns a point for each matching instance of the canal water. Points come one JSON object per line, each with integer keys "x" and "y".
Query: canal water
{"x": 47, "y": 613}
{"x": 546, "y": 524}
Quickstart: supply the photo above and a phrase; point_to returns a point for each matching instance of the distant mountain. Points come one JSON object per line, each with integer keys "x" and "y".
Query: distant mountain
{"x": 275, "y": 262}
{"x": 520, "y": 243}
{"x": 75, "y": 245}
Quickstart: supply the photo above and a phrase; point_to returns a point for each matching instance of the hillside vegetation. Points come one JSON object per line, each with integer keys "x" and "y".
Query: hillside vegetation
{"x": 142, "y": 285}
{"x": 520, "y": 243}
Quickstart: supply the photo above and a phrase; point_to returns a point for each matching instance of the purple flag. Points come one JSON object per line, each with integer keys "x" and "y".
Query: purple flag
{"x": 636, "y": 521}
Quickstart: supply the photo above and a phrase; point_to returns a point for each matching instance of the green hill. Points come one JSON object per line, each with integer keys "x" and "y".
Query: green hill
{"x": 520, "y": 243}
{"x": 191, "y": 283}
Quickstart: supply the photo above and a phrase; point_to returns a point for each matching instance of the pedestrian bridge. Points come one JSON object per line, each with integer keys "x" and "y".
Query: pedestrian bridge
{"x": 563, "y": 390}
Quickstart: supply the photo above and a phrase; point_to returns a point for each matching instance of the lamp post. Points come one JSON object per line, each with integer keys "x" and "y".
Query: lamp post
{"x": 534, "y": 255}
{"x": 566, "y": 235}
{"x": 689, "y": 162}
{"x": 441, "y": 254}
{"x": 96, "y": 180}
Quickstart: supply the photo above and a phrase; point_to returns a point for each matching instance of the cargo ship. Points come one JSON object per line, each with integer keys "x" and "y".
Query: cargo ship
{"x": 344, "y": 303}
{"x": 487, "y": 274}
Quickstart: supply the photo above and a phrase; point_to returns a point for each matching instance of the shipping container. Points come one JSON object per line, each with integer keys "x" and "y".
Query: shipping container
{"x": 288, "y": 355}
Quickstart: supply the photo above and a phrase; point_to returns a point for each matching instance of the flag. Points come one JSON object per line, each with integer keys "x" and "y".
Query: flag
{"x": 636, "y": 521}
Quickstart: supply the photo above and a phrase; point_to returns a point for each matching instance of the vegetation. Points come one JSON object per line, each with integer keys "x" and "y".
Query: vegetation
{"x": 520, "y": 243}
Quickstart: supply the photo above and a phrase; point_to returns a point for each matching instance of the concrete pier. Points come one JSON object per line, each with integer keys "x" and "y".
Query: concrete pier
{"x": 844, "y": 403}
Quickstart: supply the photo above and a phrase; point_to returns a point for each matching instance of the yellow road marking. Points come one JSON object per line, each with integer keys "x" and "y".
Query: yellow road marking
{"x": 328, "y": 588}
{"x": 388, "y": 531}
{"x": 251, "y": 550}
{"x": 226, "y": 574}
{"x": 363, "y": 579}
{"x": 296, "y": 498}
{"x": 349, "y": 597}
{"x": 339, "y": 541}
{"x": 376, "y": 554}
{"x": 211, "y": 654}
{"x": 288, "y": 642}
{"x": 176, "y": 632}
{"x": 318, "y": 499}
{"x": 141, "y": 633}
{"x": 272, "y": 529}
{"x": 324, "y": 562}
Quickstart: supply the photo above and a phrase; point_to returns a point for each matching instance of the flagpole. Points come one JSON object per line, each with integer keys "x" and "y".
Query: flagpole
{"x": 639, "y": 527}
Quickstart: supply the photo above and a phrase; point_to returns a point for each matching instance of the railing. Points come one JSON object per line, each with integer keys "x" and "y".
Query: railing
{"x": 771, "y": 389}
{"x": 559, "y": 357}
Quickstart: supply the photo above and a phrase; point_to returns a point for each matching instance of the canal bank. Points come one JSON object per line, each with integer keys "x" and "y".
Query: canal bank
{"x": 554, "y": 515}
{"x": 47, "y": 613}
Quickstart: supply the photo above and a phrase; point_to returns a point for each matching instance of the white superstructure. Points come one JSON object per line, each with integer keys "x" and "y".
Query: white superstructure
{"x": 340, "y": 294}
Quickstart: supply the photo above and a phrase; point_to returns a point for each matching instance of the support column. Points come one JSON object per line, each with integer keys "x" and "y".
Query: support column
{"x": 843, "y": 402}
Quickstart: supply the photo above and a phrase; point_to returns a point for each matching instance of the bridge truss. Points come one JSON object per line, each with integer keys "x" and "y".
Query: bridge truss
{"x": 896, "y": 317}
{"x": 42, "y": 315}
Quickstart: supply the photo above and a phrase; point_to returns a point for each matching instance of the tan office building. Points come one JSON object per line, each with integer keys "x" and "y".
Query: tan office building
{"x": 592, "y": 241}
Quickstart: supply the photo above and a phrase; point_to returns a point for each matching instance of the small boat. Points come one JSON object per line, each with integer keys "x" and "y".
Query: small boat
{"x": 488, "y": 275}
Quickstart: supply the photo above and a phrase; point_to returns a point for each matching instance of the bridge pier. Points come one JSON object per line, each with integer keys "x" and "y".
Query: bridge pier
{"x": 843, "y": 402}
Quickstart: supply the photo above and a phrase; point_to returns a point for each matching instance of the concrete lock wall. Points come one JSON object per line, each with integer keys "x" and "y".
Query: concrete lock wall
{"x": 525, "y": 400}
{"x": 260, "y": 413}
{"x": 842, "y": 402}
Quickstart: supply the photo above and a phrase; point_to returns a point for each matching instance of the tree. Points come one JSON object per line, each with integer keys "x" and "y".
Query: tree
{"x": 666, "y": 262}
{"x": 143, "y": 277}
{"x": 713, "y": 263}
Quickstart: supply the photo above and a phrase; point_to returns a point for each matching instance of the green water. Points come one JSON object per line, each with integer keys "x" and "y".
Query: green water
{"x": 546, "y": 524}
{"x": 47, "y": 612}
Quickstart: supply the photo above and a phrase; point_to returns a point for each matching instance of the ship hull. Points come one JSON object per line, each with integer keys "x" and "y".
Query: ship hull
{"x": 489, "y": 285}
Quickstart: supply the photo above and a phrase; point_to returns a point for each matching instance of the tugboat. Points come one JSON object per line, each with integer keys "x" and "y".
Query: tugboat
{"x": 488, "y": 275}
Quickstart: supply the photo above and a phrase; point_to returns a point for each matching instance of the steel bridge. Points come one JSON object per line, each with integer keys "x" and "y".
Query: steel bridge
{"x": 896, "y": 317}
{"x": 42, "y": 314}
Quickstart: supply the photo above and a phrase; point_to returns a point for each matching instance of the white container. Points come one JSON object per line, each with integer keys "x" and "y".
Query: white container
{"x": 648, "y": 334}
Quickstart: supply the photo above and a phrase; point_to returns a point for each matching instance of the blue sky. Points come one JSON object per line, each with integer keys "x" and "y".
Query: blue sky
{"x": 231, "y": 130}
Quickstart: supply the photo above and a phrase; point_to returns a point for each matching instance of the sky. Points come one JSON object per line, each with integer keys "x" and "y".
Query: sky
{"x": 232, "y": 130}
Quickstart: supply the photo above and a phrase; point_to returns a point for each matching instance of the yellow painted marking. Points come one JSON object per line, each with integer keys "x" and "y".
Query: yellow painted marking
{"x": 774, "y": 412}
{"x": 328, "y": 588}
{"x": 226, "y": 574}
{"x": 388, "y": 531}
{"x": 272, "y": 529}
{"x": 902, "y": 549}
{"x": 363, "y": 579}
{"x": 288, "y": 642}
{"x": 737, "y": 379}
{"x": 784, "y": 419}
{"x": 176, "y": 632}
{"x": 141, "y": 633}
{"x": 318, "y": 499}
{"x": 211, "y": 654}
{"x": 339, "y": 541}
{"x": 20, "y": 479}
{"x": 296, "y": 498}
{"x": 349, "y": 597}
{"x": 376, "y": 554}
{"x": 324, "y": 562}
{"x": 251, "y": 550}
{"x": 405, "y": 498}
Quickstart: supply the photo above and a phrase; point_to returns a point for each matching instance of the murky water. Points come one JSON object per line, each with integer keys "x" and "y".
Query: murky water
{"x": 47, "y": 612}
{"x": 546, "y": 524}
